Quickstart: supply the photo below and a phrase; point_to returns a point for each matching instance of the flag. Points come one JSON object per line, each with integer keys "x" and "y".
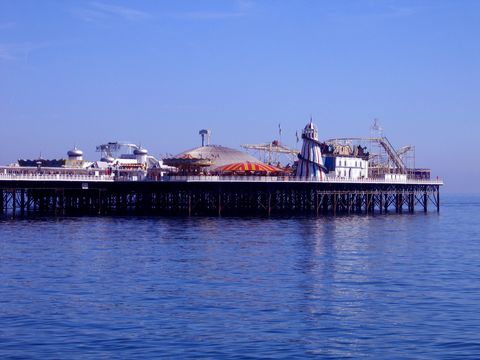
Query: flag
{"x": 279, "y": 130}
{"x": 296, "y": 134}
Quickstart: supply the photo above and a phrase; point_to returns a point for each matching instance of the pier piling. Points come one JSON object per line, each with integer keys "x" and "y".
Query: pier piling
{"x": 213, "y": 198}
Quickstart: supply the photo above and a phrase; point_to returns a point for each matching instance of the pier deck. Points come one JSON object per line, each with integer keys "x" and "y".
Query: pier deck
{"x": 65, "y": 195}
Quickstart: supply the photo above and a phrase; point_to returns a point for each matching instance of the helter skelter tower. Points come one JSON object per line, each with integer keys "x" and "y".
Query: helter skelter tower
{"x": 310, "y": 162}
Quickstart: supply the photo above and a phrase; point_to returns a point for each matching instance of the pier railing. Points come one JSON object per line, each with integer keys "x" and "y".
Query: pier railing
{"x": 55, "y": 177}
{"x": 208, "y": 178}
{"x": 294, "y": 179}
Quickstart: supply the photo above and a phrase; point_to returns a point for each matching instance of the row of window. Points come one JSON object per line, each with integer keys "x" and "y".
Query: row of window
{"x": 345, "y": 174}
{"x": 357, "y": 164}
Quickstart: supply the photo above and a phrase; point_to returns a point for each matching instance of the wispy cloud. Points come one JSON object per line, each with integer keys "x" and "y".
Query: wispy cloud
{"x": 394, "y": 10}
{"x": 376, "y": 10}
{"x": 6, "y": 52}
{"x": 240, "y": 8}
{"x": 19, "y": 51}
{"x": 99, "y": 11}
{"x": 208, "y": 15}
{"x": 120, "y": 11}
{"x": 6, "y": 25}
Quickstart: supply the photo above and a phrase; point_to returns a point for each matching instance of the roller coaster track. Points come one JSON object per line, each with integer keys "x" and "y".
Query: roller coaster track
{"x": 389, "y": 149}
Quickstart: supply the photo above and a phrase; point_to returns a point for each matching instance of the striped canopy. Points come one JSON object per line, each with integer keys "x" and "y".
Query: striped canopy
{"x": 248, "y": 166}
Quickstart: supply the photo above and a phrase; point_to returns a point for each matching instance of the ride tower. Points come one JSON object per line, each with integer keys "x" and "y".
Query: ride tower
{"x": 310, "y": 162}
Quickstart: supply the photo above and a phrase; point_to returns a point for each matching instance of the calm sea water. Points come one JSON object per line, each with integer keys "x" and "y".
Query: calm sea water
{"x": 395, "y": 286}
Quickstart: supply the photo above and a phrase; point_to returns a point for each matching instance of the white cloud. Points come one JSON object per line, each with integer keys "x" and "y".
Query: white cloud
{"x": 98, "y": 11}
{"x": 209, "y": 15}
{"x": 120, "y": 11}
{"x": 240, "y": 8}
{"x": 19, "y": 51}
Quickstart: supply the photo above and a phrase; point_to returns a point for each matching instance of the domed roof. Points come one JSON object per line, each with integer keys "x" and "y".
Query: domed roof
{"x": 220, "y": 155}
{"x": 310, "y": 131}
{"x": 140, "y": 151}
{"x": 310, "y": 126}
{"x": 108, "y": 159}
{"x": 248, "y": 166}
{"x": 75, "y": 153}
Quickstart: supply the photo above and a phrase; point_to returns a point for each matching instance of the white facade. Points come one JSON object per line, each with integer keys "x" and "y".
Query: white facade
{"x": 351, "y": 168}
{"x": 396, "y": 177}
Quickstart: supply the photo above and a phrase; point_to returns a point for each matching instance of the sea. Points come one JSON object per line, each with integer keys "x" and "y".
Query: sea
{"x": 346, "y": 287}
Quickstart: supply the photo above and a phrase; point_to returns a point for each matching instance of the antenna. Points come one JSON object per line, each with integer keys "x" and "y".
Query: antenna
{"x": 376, "y": 129}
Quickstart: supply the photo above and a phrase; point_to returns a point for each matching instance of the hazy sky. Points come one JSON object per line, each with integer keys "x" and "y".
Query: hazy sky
{"x": 155, "y": 72}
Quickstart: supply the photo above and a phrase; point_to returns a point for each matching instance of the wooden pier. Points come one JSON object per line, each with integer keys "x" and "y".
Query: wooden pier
{"x": 217, "y": 196}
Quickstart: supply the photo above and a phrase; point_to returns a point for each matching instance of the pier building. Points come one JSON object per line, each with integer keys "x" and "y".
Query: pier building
{"x": 343, "y": 162}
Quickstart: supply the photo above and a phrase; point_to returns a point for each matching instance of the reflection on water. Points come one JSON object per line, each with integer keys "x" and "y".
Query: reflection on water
{"x": 348, "y": 286}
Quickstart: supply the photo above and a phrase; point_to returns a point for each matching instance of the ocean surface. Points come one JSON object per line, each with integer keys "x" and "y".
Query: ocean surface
{"x": 382, "y": 287}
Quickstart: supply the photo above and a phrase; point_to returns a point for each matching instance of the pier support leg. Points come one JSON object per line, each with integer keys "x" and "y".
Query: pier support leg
{"x": 269, "y": 205}
{"x": 334, "y": 205}
{"x": 368, "y": 203}
{"x": 189, "y": 204}
{"x": 438, "y": 199}
{"x": 54, "y": 203}
{"x": 219, "y": 203}
{"x": 358, "y": 203}
{"x": 22, "y": 202}
{"x": 29, "y": 201}
{"x": 14, "y": 203}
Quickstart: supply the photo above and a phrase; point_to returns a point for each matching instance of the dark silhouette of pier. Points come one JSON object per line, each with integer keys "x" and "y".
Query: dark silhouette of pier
{"x": 219, "y": 197}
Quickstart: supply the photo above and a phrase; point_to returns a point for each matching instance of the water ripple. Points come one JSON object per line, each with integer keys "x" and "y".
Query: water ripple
{"x": 396, "y": 286}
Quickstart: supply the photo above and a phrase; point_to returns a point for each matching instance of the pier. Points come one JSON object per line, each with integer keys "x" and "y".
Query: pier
{"x": 63, "y": 195}
{"x": 339, "y": 176}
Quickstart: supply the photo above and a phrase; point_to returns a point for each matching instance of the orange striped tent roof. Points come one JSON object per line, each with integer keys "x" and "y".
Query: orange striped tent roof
{"x": 248, "y": 166}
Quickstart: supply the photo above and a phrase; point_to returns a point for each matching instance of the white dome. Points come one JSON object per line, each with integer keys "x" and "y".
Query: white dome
{"x": 140, "y": 151}
{"x": 220, "y": 155}
{"x": 75, "y": 153}
{"x": 108, "y": 159}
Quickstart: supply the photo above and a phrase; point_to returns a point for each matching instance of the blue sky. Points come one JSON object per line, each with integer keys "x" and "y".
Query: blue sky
{"x": 156, "y": 72}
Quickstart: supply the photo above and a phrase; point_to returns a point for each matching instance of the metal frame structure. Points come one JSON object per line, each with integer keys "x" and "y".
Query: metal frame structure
{"x": 383, "y": 158}
{"x": 270, "y": 152}
{"x": 24, "y": 198}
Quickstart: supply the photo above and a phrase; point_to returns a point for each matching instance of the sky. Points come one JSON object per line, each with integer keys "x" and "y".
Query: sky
{"x": 82, "y": 73}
